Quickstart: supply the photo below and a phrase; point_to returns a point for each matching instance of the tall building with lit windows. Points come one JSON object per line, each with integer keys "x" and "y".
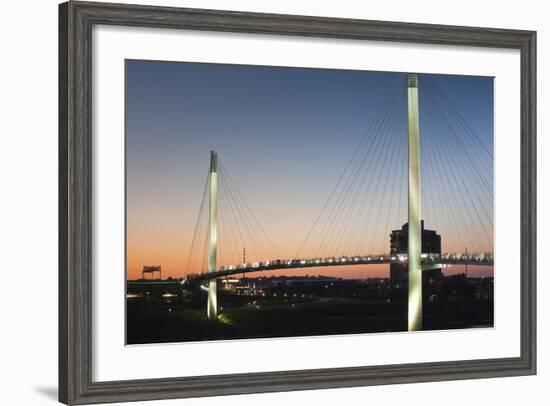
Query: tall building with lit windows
{"x": 431, "y": 247}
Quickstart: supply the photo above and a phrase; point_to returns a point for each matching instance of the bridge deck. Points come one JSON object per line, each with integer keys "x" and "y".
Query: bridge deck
{"x": 297, "y": 264}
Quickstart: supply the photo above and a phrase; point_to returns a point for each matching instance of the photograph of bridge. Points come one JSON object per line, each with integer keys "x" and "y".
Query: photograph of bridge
{"x": 267, "y": 202}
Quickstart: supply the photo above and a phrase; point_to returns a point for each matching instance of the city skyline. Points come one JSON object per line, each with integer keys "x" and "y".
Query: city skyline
{"x": 285, "y": 136}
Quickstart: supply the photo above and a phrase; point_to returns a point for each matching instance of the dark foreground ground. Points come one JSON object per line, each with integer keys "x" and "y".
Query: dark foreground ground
{"x": 149, "y": 322}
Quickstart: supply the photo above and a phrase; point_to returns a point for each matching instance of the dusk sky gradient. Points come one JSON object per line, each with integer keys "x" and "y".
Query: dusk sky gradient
{"x": 285, "y": 135}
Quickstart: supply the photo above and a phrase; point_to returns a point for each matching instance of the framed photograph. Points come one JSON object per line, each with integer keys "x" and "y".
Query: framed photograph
{"x": 257, "y": 203}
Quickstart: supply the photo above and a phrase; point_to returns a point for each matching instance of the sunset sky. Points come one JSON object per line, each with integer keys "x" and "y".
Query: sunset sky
{"x": 285, "y": 136}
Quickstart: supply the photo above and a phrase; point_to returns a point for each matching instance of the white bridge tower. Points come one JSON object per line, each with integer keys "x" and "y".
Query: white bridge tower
{"x": 414, "y": 223}
{"x": 212, "y": 307}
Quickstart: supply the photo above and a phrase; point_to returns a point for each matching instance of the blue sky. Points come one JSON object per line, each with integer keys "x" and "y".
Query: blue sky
{"x": 285, "y": 135}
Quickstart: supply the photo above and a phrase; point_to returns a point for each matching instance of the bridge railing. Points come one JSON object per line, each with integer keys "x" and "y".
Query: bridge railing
{"x": 446, "y": 258}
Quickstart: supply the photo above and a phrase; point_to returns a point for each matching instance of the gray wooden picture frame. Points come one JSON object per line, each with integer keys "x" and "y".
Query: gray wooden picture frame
{"x": 76, "y": 20}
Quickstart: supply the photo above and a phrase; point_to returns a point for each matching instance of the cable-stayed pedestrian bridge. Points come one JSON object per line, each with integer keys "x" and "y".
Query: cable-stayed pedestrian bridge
{"x": 379, "y": 189}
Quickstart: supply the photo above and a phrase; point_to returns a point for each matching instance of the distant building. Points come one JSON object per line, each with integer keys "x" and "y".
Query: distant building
{"x": 431, "y": 247}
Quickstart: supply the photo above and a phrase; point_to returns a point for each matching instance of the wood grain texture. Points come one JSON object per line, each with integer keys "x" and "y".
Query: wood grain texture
{"x": 75, "y": 202}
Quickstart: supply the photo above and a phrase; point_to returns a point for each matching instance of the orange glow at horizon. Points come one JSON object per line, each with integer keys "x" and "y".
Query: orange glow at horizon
{"x": 294, "y": 146}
